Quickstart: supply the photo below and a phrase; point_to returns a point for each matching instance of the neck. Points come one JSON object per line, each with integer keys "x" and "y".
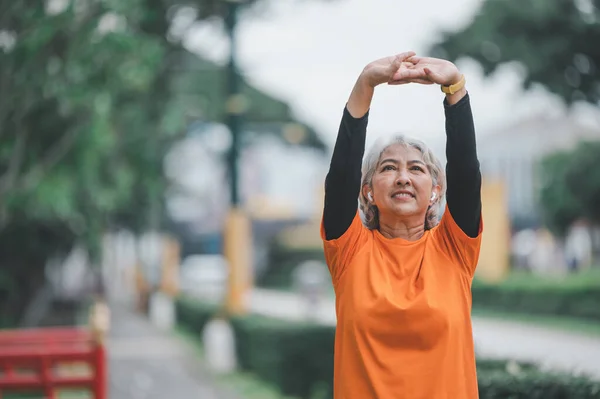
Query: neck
{"x": 410, "y": 230}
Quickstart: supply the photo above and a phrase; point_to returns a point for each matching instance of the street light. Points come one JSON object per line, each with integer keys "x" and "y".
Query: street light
{"x": 238, "y": 232}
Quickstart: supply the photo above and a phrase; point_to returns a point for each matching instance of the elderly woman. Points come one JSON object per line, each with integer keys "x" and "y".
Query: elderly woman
{"x": 402, "y": 276}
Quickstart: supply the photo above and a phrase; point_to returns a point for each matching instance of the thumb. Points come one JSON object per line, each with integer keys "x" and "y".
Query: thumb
{"x": 433, "y": 76}
{"x": 400, "y": 58}
{"x": 397, "y": 63}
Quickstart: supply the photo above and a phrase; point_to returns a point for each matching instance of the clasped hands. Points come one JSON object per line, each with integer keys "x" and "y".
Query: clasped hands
{"x": 409, "y": 68}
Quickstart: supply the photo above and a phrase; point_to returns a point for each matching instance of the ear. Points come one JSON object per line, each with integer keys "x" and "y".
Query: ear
{"x": 365, "y": 191}
{"x": 435, "y": 195}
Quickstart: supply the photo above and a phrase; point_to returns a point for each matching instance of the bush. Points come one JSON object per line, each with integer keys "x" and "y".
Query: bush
{"x": 576, "y": 297}
{"x": 192, "y": 314}
{"x": 281, "y": 264}
{"x": 297, "y": 358}
{"x": 534, "y": 384}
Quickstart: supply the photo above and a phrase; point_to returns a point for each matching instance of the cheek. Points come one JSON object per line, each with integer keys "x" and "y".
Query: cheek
{"x": 424, "y": 187}
{"x": 381, "y": 184}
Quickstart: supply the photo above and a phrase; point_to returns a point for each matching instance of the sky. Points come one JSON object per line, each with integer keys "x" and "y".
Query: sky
{"x": 310, "y": 52}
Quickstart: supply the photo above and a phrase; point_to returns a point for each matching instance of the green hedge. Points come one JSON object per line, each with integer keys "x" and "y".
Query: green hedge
{"x": 298, "y": 359}
{"x": 193, "y": 314}
{"x": 572, "y": 301}
{"x": 281, "y": 264}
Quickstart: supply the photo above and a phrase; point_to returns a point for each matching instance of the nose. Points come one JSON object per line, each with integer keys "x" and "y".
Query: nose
{"x": 403, "y": 178}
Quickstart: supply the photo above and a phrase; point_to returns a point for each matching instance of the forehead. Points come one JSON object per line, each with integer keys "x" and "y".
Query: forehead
{"x": 401, "y": 152}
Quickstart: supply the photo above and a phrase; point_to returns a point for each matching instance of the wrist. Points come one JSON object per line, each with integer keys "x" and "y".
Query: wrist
{"x": 456, "y": 97}
{"x": 365, "y": 82}
{"x": 454, "y": 79}
{"x": 455, "y": 87}
{"x": 360, "y": 98}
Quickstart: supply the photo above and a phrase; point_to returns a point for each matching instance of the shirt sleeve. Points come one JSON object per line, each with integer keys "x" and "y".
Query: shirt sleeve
{"x": 462, "y": 169}
{"x": 462, "y": 249}
{"x": 342, "y": 183}
{"x": 342, "y": 230}
{"x": 340, "y": 251}
{"x": 459, "y": 231}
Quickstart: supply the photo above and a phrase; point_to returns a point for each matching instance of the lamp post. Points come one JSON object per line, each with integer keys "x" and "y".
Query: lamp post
{"x": 237, "y": 234}
{"x": 234, "y": 102}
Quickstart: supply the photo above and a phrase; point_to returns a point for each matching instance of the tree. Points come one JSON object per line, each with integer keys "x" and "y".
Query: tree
{"x": 560, "y": 207}
{"x": 66, "y": 132}
{"x": 554, "y": 40}
{"x": 89, "y": 104}
{"x": 583, "y": 178}
{"x": 570, "y": 186}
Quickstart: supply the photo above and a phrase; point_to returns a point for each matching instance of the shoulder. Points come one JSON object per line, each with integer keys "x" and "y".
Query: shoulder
{"x": 455, "y": 244}
{"x": 339, "y": 252}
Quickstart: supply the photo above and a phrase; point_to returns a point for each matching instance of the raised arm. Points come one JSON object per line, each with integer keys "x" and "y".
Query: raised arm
{"x": 462, "y": 168}
{"x": 342, "y": 184}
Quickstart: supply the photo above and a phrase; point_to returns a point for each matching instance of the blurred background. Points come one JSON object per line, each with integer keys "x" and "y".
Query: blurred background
{"x": 167, "y": 158}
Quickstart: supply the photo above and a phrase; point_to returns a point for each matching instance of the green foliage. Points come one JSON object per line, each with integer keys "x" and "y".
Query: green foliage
{"x": 570, "y": 186}
{"x": 559, "y": 206}
{"x": 534, "y": 384}
{"x": 576, "y": 297}
{"x": 553, "y": 39}
{"x": 64, "y": 140}
{"x": 93, "y": 96}
{"x": 583, "y": 178}
{"x": 194, "y": 314}
{"x": 282, "y": 262}
{"x": 298, "y": 359}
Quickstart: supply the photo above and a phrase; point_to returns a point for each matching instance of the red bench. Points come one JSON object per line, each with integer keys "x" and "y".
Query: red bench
{"x": 48, "y": 360}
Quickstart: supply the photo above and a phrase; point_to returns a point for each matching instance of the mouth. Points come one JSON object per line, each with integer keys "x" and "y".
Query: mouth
{"x": 402, "y": 194}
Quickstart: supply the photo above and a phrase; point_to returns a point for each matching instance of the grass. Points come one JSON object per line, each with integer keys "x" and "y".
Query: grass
{"x": 245, "y": 385}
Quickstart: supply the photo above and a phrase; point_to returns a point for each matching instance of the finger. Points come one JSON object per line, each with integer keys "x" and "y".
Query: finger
{"x": 425, "y": 82}
{"x": 422, "y": 81}
{"x": 408, "y": 74}
{"x": 398, "y": 82}
{"x": 432, "y": 75}
{"x": 414, "y": 59}
{"x": 409, "y": 65}
{"x": 406, "y": 55}
{"x": 406, "y": 81}
{"x": 399, "y": 59}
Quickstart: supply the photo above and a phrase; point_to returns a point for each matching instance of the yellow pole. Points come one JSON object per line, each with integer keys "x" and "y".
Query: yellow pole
{"x": 238, "y": 252}
{"x": 494, "y": 258}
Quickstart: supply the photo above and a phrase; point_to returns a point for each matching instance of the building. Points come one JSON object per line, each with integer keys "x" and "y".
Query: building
{"x": 512, "y": 153}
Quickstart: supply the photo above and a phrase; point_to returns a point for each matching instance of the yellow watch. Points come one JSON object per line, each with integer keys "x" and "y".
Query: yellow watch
{"x": 455, "y": 87}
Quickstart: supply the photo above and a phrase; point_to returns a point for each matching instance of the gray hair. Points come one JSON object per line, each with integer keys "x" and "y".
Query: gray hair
{"x": 370, "y": 162}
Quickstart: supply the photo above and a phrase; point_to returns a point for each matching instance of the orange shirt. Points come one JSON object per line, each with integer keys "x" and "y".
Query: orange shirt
{"x": 403, "y": 313}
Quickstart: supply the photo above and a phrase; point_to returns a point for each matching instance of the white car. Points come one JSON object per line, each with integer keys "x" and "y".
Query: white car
{"x": 205, "y": 276}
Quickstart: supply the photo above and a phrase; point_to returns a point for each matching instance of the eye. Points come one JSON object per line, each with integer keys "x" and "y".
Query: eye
{"x": 417, "y": 168}
{"x": 388, "y": 167}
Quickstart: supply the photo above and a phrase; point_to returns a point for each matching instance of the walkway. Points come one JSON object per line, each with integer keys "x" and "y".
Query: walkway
{"x": 150, "y": 364}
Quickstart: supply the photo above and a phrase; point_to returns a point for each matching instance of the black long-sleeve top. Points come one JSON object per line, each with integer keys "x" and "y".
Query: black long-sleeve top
{"x": 463, "y": 195}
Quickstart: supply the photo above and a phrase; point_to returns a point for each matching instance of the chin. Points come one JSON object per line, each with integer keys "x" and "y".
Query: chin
{"x": 406, "y": 210}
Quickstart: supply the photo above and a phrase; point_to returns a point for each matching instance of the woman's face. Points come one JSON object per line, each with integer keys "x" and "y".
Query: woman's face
{"x": 402, "y": 185}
